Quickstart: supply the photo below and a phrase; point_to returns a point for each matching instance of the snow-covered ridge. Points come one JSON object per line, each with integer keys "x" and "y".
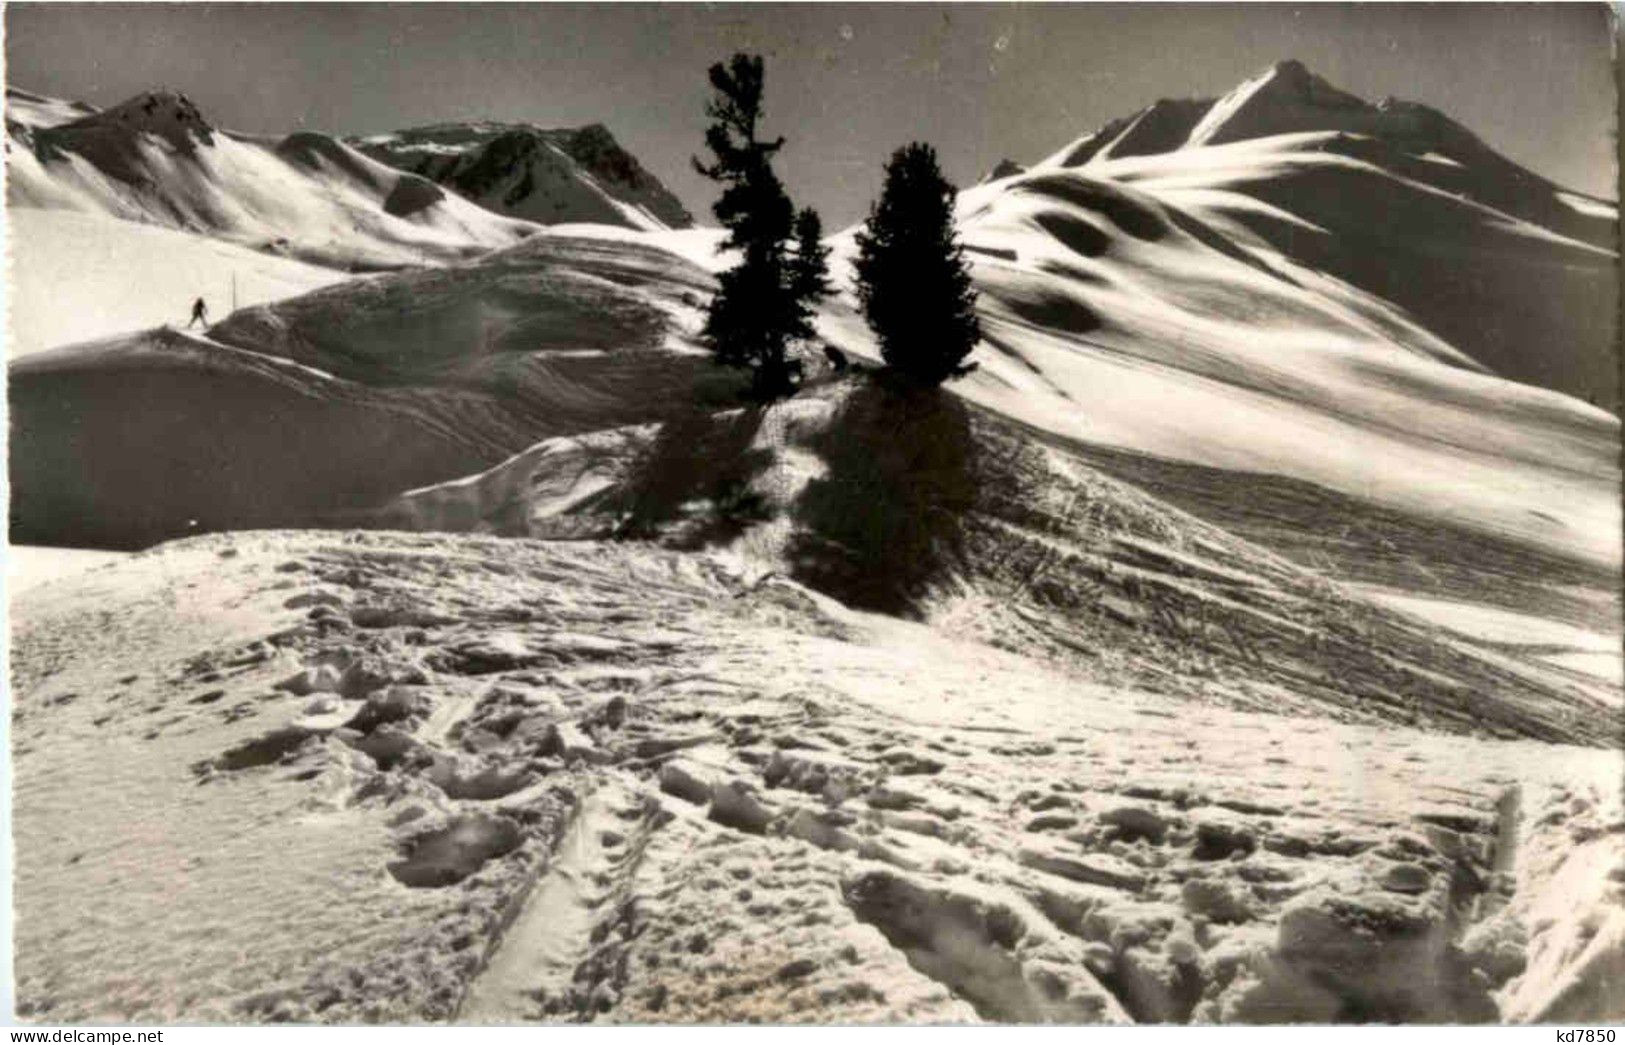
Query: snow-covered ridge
{"x": 547, "y": 176}
{"x": 156, "y": 159}
{"x": 1393, "y": 200}
{"x": 1290, "y": 99}
{"x": 367, "y": 203}
{"x": 402, "y": 379}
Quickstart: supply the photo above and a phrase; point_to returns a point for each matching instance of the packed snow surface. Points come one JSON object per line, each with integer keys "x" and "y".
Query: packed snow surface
{"x": 79, "y": 276}
{"x": 397, "y": 778}
{"x": 28, "y": 566}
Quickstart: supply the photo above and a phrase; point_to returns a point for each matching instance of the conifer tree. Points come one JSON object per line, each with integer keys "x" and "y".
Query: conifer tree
{"x": 755, "y": 311}
{"x": 912, "y": 279}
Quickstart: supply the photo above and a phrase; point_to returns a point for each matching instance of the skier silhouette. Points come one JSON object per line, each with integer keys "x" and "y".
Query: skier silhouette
{"x": 200, "y": 314}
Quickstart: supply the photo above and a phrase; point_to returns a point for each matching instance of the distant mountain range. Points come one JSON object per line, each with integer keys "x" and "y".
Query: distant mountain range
{"x": 545, "y": 176}
{"x": 421, "y": 197}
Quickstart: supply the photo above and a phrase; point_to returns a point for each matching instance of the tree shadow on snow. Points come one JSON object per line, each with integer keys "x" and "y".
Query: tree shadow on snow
{"x": 885, "y": 523}
{"x": 694, "y": 486}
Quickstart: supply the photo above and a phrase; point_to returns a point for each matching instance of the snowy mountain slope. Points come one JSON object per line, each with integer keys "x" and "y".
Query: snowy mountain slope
{"x": 295, "y": 412}
{"x": 155, "y": 159}
{"x": 30, "y": 565}
{"x": 1289, "y": 99}
{"x": 121, "y": 443}
{"x": 546, "y": 176}
{"x": 27, "y": 111}
{"x": 1138, "y": 313}
{"x": 398, "y": 778}
{"x": 78, "y": 276}
{"x": 1396, "y": 199}
{"x": 1302, "y": 306}
{"x": 922, "y": 507}
{"x": 1234, "y": 645}
{"x": 1113, "y": 318}
{"x": 1136, "y": 322}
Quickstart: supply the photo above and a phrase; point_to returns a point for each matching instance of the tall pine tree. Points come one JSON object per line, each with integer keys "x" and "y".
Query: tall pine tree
{"x": 755, "y": 311}
{"x": 912, "y": 280}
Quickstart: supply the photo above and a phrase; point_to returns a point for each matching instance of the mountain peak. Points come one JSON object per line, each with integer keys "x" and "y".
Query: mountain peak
{"x": 1005, "y": 168}
{"x": 1291, "y": 71}
{"x": 1291, "y": 78}
{"x": 1287, "y": 98}
{"x": 164, "y": 113}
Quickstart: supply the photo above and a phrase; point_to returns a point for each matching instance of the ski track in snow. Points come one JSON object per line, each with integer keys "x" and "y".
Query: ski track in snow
{"x": 534, "y": 963}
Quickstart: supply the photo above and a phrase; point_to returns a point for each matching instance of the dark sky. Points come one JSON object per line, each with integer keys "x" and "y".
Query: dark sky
{"x": 847, "y": 83}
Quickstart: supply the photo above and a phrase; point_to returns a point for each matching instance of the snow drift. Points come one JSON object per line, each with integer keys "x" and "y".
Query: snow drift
{"x": 1225, "y": 649}
{"x": 296, "y": 412}
{"x": 1324, "y": 305}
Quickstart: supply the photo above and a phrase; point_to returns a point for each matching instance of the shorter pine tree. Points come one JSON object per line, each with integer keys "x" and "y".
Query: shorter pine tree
{"x": 912, "y": 279}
